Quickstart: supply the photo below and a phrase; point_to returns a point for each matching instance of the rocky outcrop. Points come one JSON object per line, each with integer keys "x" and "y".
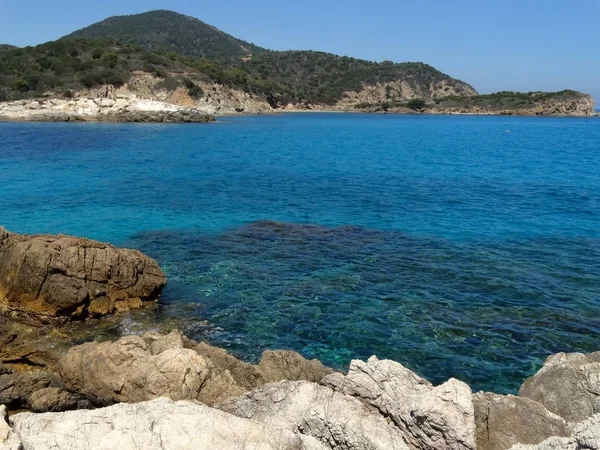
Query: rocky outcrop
{"x": 435, "y": 418}
{"x": 38, "y": 390}
{"x": 505, "y": 420}
{"x": 585, "y": 436}
{"x": 568, "y": 385}
{"x": 101, "y": 109}
{"x": 155, "y": 425}
{"x": 8, "y": 439}
{"x": 60, "y": 276}
{"x": 337, "y": 420}
{"x": 136, "y": 369}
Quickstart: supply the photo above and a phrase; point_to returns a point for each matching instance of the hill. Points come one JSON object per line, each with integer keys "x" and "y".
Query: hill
{"x": 171, "y": 32}
{"x": 6, "y": 47}
{"x": 319, "y": 77}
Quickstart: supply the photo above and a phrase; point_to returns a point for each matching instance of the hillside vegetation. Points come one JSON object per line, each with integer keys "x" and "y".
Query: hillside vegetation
{"x": 323, "y": 77}
{"x": 171, "y": 32}
{"x": 507, "y": 100}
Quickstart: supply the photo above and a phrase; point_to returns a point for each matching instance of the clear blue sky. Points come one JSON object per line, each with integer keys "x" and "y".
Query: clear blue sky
{"x": 494, "y": 45}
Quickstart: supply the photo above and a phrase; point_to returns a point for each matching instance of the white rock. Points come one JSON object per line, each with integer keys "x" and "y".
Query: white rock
{"x": 337, "y": 420}
{"x": 435, "y": 418}
{"x": 156, "y": 425}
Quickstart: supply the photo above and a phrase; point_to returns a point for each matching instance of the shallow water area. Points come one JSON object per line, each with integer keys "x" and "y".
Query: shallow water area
{"x": 442, "y": 242}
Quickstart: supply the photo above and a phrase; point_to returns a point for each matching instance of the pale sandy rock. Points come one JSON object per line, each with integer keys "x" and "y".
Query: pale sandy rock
{"x": 568, "y": 385}
{"x": 8, "y": 439}
{"x": 155, "y": 425}
{"x": 585, "y": 436}
{"x": 435, "y": 418}
{"x": 136, "y": 369}
{"x": 505, "y": 420}
{"x": 337, "y": 420}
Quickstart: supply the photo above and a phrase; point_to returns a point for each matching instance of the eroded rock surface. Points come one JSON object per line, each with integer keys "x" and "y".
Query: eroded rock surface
{"x": 431, "y": 417}
{"x": 62, "y": 276}
{"x": 155, "y": 425}
{"x": 8, "y": 439}
{"x": 505, "y": 420}
{"x": 568, "y": 385}
{"x": 135, "y": 369}
{"x": 337, "y": 420}
{"x": 585, "y": 436}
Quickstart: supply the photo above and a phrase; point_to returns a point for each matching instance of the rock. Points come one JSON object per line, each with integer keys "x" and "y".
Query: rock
{"x": 128, "y": 371}
{"x": 156, "y": 425}
{"x": 339, "y": 421}
{"x": 285, "y": 365}
{"x": 8, "y": 439}
{"x": 56, "y": 399}
{"x": 434, "y": 418}
{"x": 585, "y": 436}
{"x": 503, "y": 421}
{"x": 136, "y": 369}
{"x": 60, "y": 276}
{"x": 568, "y": 385}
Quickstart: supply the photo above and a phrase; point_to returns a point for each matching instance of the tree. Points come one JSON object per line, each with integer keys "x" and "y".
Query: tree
{"x": 111, "y": 59}
{"x": 97, "y": 53}
{"x": 21, "y": 85}
{"x": 196, "y": 92}
{"x": 417, "y": 104}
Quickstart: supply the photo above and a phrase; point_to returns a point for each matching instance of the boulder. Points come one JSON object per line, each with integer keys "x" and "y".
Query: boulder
{"x": 505, "y": 420}
{"x": 433, "y": 418}
{"x": 135, "y": 369}
{"x": 60, "y": 276}
{"x": 585, "y": 436}
{"x": 8, "y": 439}
{"x": 337, "y": 420}
{"x": 37, "y": 390}
{"x": 155, "y": 425}
{"x": 568, "y": 385}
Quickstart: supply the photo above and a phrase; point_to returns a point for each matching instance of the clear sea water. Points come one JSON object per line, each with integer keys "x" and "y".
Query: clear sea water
{"x": 442, "y": 242}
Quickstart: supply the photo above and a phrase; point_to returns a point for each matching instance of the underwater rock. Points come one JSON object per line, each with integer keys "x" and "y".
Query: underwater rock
{"x": 568, "y": 384}
{"x": 505, "y": 420}
{"x": 50, "y": 276}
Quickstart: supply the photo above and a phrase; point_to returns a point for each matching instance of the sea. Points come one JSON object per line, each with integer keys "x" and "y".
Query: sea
{"x": 459, "y": 246}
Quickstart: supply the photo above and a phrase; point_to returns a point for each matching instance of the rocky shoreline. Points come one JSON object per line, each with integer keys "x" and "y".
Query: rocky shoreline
{"x": 165, "y": 391}
{"x": 100, "y": 110}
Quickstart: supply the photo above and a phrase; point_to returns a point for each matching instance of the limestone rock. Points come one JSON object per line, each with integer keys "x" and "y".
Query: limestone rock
{"x": 503, "y": 421}
{"x": 8, "y": 439}
{"x": 585, "y": 436}
{"x": 435, "y": 418}
{"x": 127, "y": 371}
{"x": 61, "y": 276}
{"x": 155, "y": 425}
{"x": 286, "y": 365}
{"x": 337, "y": 420}
{"x": 568, "y": 385}
{"x": 136, "y": 369}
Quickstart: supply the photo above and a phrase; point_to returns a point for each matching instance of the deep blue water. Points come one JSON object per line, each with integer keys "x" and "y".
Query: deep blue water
{"x": 442, "y": 242}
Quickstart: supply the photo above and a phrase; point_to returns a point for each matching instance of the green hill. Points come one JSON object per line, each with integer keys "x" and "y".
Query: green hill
{"x": 171, "y": 32}
{"x": 6, "y": 47}
{"x": 324, "y": 78}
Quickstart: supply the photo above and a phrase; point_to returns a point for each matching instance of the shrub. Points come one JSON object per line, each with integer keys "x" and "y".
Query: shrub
{"x": 68, "y": 94}
{"x": 21, "y": 85}
{"x": 111, "y": 59}
{"x": 196, "y": 92}
{"x": 417, "y": 104}
{"x": 97, "y": 53}
{"x": 188, "y": 83}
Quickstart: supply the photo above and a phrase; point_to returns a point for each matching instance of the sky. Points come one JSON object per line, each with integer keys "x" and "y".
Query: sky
{"x": 494, "y": 45}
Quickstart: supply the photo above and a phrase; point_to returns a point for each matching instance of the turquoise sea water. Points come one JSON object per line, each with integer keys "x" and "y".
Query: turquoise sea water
{"x": 442, "y": 242}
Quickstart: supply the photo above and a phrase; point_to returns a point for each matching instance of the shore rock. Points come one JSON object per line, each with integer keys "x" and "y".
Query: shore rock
{"x": 585, "y": 436}
{"x": 568, "y": 384}
{"x": 102, "y": 110}
{"x": 135, "y": 369}
{"x": 61, "y": 276}
{"x": 338, "y": 421}
{"x": 155, "y": 425}
{"x": 433, "y": 418}
{"x": 8, "y": 439}
{"x": 505, "y": 420}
